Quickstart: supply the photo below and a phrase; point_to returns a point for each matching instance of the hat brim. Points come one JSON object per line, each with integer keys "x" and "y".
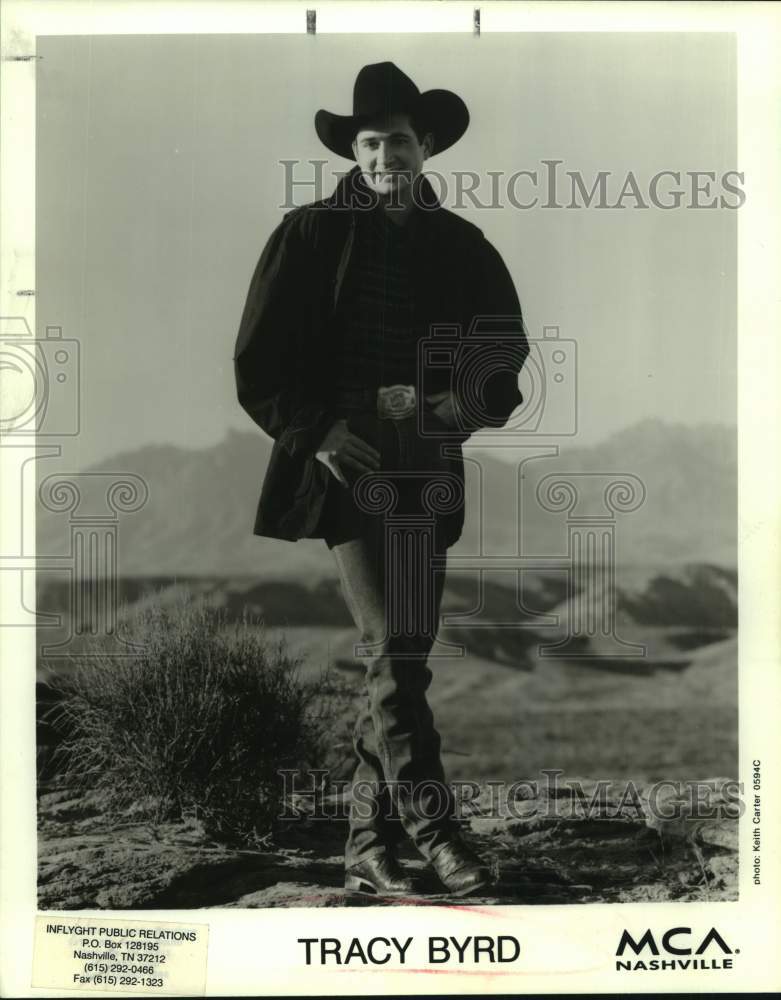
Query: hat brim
{"x": 442, "y": 113}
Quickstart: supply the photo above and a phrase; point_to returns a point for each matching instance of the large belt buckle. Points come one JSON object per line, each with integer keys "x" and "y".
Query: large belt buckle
{"x": 395, "y": 402}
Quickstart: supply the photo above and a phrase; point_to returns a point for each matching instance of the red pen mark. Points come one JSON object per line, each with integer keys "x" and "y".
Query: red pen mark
{"x": 336, "y": 897}
{"x": 444, "y": 972}
{"x": 479, "y": 972}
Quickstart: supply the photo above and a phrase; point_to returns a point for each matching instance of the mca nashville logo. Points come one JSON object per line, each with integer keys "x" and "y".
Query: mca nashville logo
{"x": 679, "y": 950}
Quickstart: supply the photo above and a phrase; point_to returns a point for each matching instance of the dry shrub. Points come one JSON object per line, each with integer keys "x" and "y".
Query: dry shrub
{"x": 197, "y": 725}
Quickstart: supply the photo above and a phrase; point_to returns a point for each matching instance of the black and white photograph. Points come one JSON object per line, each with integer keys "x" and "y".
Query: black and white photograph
{"x": 374, "y": 413}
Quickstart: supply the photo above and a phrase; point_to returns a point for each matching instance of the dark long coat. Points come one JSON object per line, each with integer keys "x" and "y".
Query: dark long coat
{"x": 282, "y": 355}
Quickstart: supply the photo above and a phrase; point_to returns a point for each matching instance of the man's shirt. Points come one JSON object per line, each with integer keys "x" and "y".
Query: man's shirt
{"x": 375, "y": 332}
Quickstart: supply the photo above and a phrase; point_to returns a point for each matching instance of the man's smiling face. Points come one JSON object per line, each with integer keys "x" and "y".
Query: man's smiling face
{"x": 390, "y": 154}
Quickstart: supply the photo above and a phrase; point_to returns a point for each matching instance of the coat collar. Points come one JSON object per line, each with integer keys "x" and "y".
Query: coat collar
{"x": 353, "y": 193}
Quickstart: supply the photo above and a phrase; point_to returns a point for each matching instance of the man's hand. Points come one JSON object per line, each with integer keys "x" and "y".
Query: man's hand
{"x": 444, "y": 406}
{"x": 342, "y": 450}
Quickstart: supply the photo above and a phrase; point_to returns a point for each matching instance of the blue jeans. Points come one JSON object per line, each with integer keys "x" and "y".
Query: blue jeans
{"x": 392, "y": 583}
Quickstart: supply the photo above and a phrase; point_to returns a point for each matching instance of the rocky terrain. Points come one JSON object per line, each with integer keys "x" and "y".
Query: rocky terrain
{"x": 548, "y": 848}
{"x": 504, "y": 714}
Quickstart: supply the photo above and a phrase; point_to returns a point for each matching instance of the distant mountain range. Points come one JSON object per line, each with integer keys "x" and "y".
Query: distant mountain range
{"x": 199, "y": 515}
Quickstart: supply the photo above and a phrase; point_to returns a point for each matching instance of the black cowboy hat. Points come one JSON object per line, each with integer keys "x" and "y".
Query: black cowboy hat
{"x": 382, "y": 89}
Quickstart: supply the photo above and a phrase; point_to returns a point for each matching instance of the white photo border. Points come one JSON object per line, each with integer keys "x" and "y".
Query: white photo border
{"x": 255, "y": 951}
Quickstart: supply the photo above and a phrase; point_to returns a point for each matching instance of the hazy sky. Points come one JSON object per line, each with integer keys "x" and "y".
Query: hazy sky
{"x": 159, "y": 181}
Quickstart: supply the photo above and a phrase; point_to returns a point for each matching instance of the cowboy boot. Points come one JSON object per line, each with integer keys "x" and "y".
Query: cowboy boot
{"x": 379, "y": 874}
{"x": 459, "y": 869}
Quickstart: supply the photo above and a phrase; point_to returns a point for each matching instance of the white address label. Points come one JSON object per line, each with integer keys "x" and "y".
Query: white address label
{"x": 128, "y": 956}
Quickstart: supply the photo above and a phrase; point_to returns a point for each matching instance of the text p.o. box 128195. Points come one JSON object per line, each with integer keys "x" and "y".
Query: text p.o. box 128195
{"x": 94, "y": 955}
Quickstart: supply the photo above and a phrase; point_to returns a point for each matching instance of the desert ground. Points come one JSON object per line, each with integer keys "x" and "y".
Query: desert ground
{"x": 505, "y": 713}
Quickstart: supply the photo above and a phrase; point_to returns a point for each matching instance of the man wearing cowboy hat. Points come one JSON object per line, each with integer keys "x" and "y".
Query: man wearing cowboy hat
{"x": 331, "y": 361}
